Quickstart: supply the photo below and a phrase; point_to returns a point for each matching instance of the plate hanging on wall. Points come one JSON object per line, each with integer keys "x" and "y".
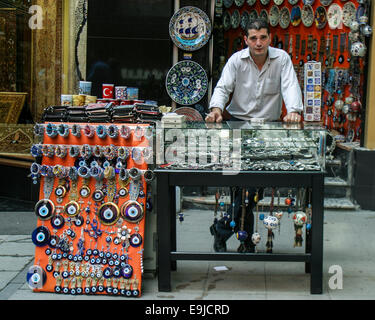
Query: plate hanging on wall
{"x": 264, "y": 2}
{"x": 190, "y": 113}
{"x": 244, "y": 19}
{"x": 227, "y": 3}
{"x": 263, "y": 14}
{"x": 326, "y": 3}
{"x": 295, "y": 16}
{"x": 186, "y": 82}
{"x": 348, "y": 13}
{"x": 226, "y": 20}
{"x": 274, "y": 16}
{"x": 293, "y": 2}
{"x": 307, "y": 15}
{"x": 235, "y": 19}
{"x": 252, "y": 2}
{"x": 334, "y": 16}
{"x": 190, "y": 28}
{"x": 278, "y": 2}
{"x": 239, "y": 3}
{"x": 284, "y": 18}
{"x": 320, "y": 17}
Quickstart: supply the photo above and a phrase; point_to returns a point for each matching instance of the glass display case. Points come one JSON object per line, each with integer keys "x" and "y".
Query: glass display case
{"x": 241, "y": 146}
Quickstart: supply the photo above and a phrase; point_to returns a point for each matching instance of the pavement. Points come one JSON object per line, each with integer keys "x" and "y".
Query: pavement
{"x": 349, "y": 251}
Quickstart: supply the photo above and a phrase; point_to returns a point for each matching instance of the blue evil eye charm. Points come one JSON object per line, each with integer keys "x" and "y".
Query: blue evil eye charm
{"x": 135, "y": 240}
{"x": 308, "y": 226}
{"x": 117, "y": 272}
{"x": 232, "y": 224}
{"x": 36, "y": 277}
{"x": 261, "y": 216}
{"x": 127, "y": 271}
{"x": 107, "y": 273}
{"x": 40, "y": 236}
{"x": 57, "y": 289}
{"x": 135, "y": 293}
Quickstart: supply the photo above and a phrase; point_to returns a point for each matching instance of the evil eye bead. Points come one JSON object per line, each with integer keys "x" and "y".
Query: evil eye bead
{"x": 40, "y": 236}
{"x": 117, "y": 272}
{"x": 132, "y": 211}
{"x": 57, "y": 222}
{"x": 108, "y": 213}
{"x": 71, "y": 208}
{"x": 98, "y": 195}
{"x": 123, "y": 192}
{"x": 84, "y": 192}
{"x": 60, "y": 191}
{"x": 135, "y": 240}
{"x": 107, "y": 273}
{"x": 127, "y": 271}
{"x": 44, "y": 209}
{"x": 36, "y": 277}
{"x": 53, "y": 241}
{"x": 78, "y": 221}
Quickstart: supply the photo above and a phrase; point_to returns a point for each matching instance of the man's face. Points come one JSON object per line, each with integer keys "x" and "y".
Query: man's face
{"x": 258, "y": 42}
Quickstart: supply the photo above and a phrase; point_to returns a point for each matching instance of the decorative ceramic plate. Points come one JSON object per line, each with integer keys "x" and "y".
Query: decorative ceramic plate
{"x": 310, "y": 2}
{"x": 263, "y": 14}
{"x": 348, "y": 13}
{"x": 274, "y": 16}
{"x": 284, "y": 18}
{"x": 190, "y": 28}
{"x": 253, "y": 15}
{"x": 278, "y": 2}
{"x": 252, "y": 2}
{"x": 325, "y": 2}
{"x": 239, "y": 3}
{"x": 320, "y": 17}
{"x": 190, "y": 113}
{"x": 244, "y": 19}
{"x": 235, "y": 19}
{"x": 295, "y": 16}
{"x": 264, "y": 2}
{"x": 293, "y": 2}
{"x": 227, "y": 3}
{"x": 226, "y": 20}
{"x": 307, "y": 15}
{"x": 334, "y": 15}
{"x": 186, "y": 82}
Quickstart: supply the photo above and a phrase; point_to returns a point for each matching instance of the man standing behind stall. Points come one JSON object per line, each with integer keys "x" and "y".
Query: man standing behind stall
{"x": 259, "y": 78}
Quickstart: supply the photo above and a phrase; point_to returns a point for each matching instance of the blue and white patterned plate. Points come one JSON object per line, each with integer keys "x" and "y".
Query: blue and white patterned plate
{"x": 190, "y": 28}
{"x": 186, "y": 82}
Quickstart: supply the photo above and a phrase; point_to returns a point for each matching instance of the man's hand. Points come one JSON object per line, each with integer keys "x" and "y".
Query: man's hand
{"x": 216, "y": 115}
{"x": 292, "y": 117}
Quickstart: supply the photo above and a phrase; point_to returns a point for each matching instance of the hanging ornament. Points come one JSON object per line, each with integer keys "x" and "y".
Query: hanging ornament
{"x": 278, "y": 213}
{"x": 270, "y": 222}
{"x": 242, "y": 234}
{"x": 255, "y": 238}
{"x": 358, "y": 49}
{"x": 233, "y": 223}
{"x": 299, "y": 219}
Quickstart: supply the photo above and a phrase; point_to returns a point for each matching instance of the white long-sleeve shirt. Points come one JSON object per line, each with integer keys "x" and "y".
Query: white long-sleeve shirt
{"x": 258, "y": 93}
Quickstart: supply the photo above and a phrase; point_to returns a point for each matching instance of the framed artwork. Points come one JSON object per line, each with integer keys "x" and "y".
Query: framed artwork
{"x": 11, "y": 104}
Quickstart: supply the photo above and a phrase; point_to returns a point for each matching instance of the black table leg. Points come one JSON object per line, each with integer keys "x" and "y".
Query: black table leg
{"x": 163, "y": 232}
{"x": 172, "y": 199}
{"x": 317, "y": 235}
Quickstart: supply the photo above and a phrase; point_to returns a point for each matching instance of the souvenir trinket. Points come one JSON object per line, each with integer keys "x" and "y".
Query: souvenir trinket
{"x": 274, "y": 16}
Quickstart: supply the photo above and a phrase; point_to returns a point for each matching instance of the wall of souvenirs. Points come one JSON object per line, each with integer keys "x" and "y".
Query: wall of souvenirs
{"x": 91, "y": 213}
{"x": 332, "y": 32}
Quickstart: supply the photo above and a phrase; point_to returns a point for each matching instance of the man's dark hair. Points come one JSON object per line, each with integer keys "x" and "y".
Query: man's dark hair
{"x": 257, "y": 24}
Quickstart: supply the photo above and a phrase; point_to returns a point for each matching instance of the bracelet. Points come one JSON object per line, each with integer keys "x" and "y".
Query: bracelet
{"x": 48, "y": 150}
{"x": 74, "y": 151}
{"x": 73, "y": 173}
{"x": 125, "y": 131}
{"x": 86, "y": 151}
{"x": 46, "y": 171}
{"x": 39, "y": 130}
{"x": 101, "y": 131}
{"x": 35, "y": 168}
{"x": 113, "y": 131}
{"x": 123, "y": 153}
{"x": 97, "y": 172}
{"x": 63, "y": 130}
{"x": 36, "y": 150}
{"x": 110, "y": 152}
{"x": 134, "y": 173}
{"x": 51, "y": 130}
{"x": 138, "y": 132}
{"x": 109, "y": 172}
{"x": 97, "y": 151}
{"x": 136, "y": 154}
{"x": 149, "y": 175}
{"x": 84, "y": 172}
{"x": 124, "y": 174}
{"x": 88, "y": 131}
{"x": 61, "y": 151}
{"x": 76, "y": 130}
{"x": 149, "y": 133}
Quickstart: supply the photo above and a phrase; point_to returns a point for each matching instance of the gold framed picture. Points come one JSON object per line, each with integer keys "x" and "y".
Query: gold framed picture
{"x": 11, "y": 104}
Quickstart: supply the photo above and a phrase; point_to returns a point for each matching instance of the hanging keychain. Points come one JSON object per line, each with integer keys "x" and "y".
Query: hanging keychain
{"x": 279, "y": 213}
{"x": 242, "y": 234}
{"x": 299, "y": 219}
{"x": 233, "y": 223}
{"x": 270, "y": 222}
{"x": 309, "y": 214}
{"x": 255, "y": 238}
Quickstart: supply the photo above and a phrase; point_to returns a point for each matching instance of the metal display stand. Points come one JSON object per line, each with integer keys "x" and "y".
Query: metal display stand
{"x": 167, "y": 255}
